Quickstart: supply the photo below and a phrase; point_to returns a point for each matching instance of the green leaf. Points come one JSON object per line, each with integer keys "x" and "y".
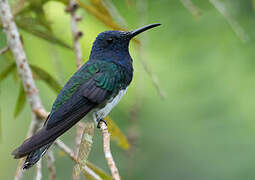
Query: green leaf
{"x": 98, "y": 171}
{"x": 7, "y": 71}
{"x": 36, "y": 28}
{"x": 85, "y": 147}
{"x": 47, "y": 78}
{"x": 20, "y": 104}
{"x": 116, "y": 134}
{"x": 10, "y": 60}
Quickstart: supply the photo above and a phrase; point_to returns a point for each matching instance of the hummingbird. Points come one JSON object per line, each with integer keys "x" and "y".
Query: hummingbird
{"x": 96, "y": 88}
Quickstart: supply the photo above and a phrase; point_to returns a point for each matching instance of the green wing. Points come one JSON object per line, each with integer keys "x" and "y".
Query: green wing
{"x": 85, "y": 73}
{"x": 99, "y": 79}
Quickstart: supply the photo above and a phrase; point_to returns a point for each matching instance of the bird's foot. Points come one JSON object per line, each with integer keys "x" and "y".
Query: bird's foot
{"x": 98, "y": 122}
{"x": 27, "y": 165}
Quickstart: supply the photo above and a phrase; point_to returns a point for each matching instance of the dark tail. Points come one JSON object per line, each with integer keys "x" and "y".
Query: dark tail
{"x": 36, "y": 146}
{"x": 35, "y": 156}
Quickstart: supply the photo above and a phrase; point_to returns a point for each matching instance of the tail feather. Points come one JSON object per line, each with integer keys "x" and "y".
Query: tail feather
{"x": 36, "y": 146}
{"x": 35, "y": 156}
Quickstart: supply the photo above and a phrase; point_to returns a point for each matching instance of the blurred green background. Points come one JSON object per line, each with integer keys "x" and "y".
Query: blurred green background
{"x": 203, "y": 130}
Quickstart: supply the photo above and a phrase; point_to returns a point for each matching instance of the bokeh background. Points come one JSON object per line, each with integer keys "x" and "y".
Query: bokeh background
{"x": 203, "y": 56}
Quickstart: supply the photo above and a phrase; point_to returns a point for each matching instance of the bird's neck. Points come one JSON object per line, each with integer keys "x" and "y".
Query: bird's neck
{"x": 122, "y": 59}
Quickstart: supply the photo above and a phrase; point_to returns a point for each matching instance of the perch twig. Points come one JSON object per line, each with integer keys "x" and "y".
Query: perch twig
{"x": 107, "y": 151}
{"x": 71, "y": 155}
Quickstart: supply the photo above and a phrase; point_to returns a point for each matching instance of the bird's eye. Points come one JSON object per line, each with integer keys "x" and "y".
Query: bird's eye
{"x": 109, "y": 40}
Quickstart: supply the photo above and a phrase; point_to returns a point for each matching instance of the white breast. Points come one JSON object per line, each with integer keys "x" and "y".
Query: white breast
{"x": 103, "y": 112}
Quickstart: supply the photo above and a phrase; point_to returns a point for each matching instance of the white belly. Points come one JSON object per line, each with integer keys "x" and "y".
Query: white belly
{"x": 103, "y": 112}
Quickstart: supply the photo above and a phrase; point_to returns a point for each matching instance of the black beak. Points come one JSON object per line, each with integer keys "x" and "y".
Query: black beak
{"x": 142, "y": 29}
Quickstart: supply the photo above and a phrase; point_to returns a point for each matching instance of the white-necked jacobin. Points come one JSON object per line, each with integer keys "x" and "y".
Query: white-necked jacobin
{"x": 96, "y": 87}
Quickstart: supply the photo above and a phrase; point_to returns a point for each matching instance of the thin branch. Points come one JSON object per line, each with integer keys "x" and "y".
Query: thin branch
{"x": 237, "y": 28}
{"x": 66, "y": 149}
{"x": 42, "y": 113}
{"x": 19, "y": 171}
{"x": 107, "y": 151}
{"x": 80, "y": 127}
{"x": 38, "y": 170}
{"x": 51, "y": 165}
{"x": 71, "y": 8}
{"x": 4, "y": 50}
{"x": 191, "y": 7}
{"x": 71, "y": 155}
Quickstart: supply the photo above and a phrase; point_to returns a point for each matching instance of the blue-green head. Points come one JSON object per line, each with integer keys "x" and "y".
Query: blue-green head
{"x": 113, "y": 45}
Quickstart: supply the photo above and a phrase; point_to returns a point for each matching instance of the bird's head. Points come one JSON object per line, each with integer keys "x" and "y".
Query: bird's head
{"x": 113, "y": 45}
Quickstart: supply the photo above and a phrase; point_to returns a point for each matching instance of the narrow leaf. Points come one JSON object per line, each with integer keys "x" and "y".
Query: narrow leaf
{"x": 191, "y": 7}
{"x": 47, "y": 78}
{"x": 99, "y": 6}
{"x": 107, "y": 20}
{"x": 32, "y": 26}
{"x": 98, "y": 171}
{"x": 7, "y": 71}
{"x": 110, "y": 12}
{"x": 85, "y": 147}
{"x": 237, "y": 28}
{"x": 116, "y": 134}
{"x": 20, "y": 104}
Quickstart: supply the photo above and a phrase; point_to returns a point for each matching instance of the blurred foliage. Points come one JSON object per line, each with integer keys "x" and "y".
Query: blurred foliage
{"x": 99, "y": 171}
{"x": 41, "y": 74}
{"x": 7, "y": 70}
{"x": 20, "y": 104}
{"x": 116, "y": 134}
{"x": 34, "y": 27}
{"x": 204, "y": 55}
{"x": 103, "y": 12}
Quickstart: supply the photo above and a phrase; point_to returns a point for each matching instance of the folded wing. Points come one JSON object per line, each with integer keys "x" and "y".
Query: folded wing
{"x": 87, "y": 96}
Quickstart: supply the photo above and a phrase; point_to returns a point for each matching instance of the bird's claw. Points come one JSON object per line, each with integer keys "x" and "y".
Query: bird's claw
{"x": 99, "y": 123}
